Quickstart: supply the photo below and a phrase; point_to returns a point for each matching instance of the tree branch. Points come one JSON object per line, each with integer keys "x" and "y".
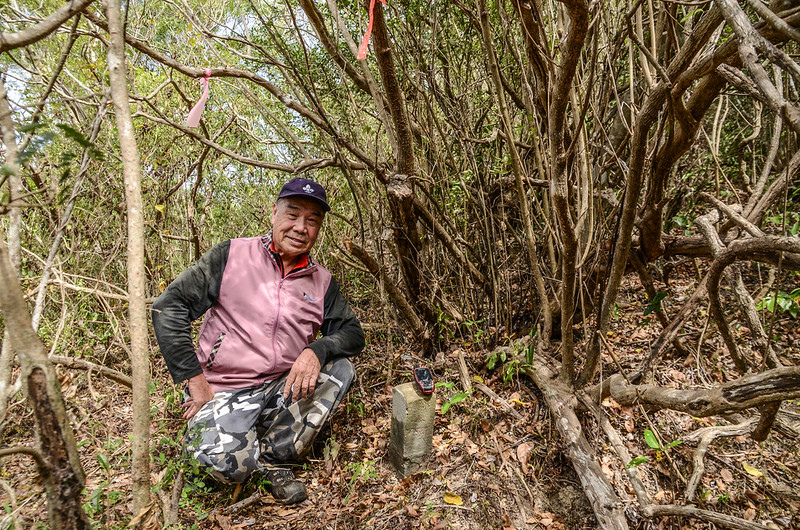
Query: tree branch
{"x": 10, "y": 41}
{"x": 740, "y": 394}
{"x": 83, "y": 364}
{"x": 560, "y": 398}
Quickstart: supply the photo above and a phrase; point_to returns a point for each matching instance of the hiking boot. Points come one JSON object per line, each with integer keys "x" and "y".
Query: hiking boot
{"x": 284, "y": 487}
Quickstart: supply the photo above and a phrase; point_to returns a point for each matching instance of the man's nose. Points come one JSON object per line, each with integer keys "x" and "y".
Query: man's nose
{"x": 300, "y": 225}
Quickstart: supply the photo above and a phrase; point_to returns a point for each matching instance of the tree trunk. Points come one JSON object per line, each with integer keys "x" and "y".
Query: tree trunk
{"x": 561, "y": 401}
{"x": 140, "y": 364}
{"x": 399, "y": 185}
{"x": 61, "y": 469}
{"x": 7, "y": 388}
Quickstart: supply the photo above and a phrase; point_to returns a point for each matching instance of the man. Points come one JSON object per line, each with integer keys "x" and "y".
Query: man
{"x": 259, "y": 386}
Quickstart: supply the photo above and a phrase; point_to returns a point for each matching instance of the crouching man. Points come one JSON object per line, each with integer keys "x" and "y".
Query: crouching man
{"x": 259, "y": 386}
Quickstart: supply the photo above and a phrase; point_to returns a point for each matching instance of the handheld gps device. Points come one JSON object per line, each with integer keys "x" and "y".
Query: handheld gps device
{"x": 424, "y": 379}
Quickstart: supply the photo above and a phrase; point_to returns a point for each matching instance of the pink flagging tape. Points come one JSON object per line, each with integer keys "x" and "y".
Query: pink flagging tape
{"x": 362, "y": 50}
{"x": 193, "y": 119}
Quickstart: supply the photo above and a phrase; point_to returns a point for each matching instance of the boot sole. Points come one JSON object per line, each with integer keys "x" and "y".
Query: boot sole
{"x": 300, "y": 496}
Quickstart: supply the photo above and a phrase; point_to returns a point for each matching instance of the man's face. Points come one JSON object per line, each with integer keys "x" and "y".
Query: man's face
{"x": 295, "y": 226}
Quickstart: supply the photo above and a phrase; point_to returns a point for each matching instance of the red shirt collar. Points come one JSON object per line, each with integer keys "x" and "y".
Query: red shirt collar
{"x": 302, "y": 261}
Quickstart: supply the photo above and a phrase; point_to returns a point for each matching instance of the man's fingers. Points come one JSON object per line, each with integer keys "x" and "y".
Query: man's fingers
{"x": 191, "y": 410}
{"x": 292, "y": 385}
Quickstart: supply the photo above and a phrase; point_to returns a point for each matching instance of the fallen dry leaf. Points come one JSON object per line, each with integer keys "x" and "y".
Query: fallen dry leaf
{"x": 610, "y": 403}
{"x": 452, "y": 498}
{"x": 751, "y": 470}
{"x": 224, "y": 522}
{"x": 523, "y": 454}
{"x": 726, "y": 475}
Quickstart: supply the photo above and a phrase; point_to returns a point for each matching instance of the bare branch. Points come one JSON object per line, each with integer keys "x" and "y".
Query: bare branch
{"x": 83, "y": 364}
{"x": 283, "y": 97}
{"x": 560, "y": 399}
{"x": 10, "y": 41}
{"x": 749, "y": 39}
{"x": 34, "y": 453}
{"x": 740, "y": 394}
{"x": 729, "y": 521}
{"x": 299, "y": 168}
{"x": 705, "y": 437}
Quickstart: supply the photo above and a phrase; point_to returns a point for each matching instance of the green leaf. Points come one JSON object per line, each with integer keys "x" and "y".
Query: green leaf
{"x": 655, "y": 303}
{"x": 491, "y": 361}
{"x": 690, "y": 14}
{"x": 33, "y": 127}
{"x": 673, "y": 444}
{"x": 650, "y": 439}
{"x": 34, "y": 146}
{"x": 636, "y": 462}
{"x": 103, "y": 461}
{"x": 445, "y": 407}
{"x": 461, "y": 396}
{"x": 74, "y": 135}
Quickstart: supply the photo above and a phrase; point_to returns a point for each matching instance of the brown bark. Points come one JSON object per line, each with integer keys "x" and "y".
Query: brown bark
{"x": 697, "y": 247}
{"x": 7, "y": 388}
{"x": 10, "y": 41}
{"x": 539, "y": 62}
{"x": 769, "y": 413}
{"x": 317, "y": 22}
{"x": 561, "y": 401}
{"x": 519, "y": 173}
{"x": 728, "y": 521}
{"x": 398, "y": 298}
{"x": 83, "y": 364}
{"x": 63, "y": 475}
{"x": 740, "y": 394}
{"x": 400, "y": 183}
{"x": 405, "y": 163}
{"x": 62, "y": 483}
{"x": 704, "y": 222}
{"x": 559, "y": 188}
{"x": 137, "y": 312}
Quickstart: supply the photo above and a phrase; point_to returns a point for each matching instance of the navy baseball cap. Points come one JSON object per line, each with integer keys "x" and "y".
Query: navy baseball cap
{"x": 301, "y": 187}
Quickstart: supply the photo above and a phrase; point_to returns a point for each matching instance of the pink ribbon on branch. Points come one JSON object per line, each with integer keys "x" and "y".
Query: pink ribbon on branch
{"x": 193, "y": 119}
{"x": 362, "y": 50}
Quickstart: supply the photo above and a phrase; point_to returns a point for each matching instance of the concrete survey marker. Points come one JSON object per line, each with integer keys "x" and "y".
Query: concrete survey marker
{"x": 413, "y": 416}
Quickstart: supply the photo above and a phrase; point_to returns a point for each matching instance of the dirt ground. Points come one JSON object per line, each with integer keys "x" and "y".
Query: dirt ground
{"x": 487, "y": 469}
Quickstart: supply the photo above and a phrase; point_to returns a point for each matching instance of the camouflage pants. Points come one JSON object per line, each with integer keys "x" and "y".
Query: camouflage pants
{"x": 243, "y": 430}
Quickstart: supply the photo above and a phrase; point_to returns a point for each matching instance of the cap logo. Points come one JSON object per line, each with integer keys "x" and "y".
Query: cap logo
{"x": 308, "y": 189}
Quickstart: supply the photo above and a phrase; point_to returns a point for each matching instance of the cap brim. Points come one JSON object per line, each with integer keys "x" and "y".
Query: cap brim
{"x": 325, "y": 207}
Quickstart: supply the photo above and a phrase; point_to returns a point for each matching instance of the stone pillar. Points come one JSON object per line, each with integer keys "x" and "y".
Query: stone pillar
{"x": 413, "y": 416}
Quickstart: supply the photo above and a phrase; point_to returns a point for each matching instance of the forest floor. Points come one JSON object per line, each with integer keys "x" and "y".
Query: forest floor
{"x": 487, "y": 468}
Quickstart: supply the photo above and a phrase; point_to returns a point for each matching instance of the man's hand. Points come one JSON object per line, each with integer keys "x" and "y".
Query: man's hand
{"x": 200, "y": 393}
{"x": 302, "y": 376}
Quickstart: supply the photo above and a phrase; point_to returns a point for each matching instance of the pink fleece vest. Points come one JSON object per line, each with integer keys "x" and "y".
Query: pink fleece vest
{"x": 261, "y": 322}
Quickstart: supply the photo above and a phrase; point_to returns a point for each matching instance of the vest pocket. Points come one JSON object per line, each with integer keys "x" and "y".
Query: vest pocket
{"x": 214, "y": 350}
